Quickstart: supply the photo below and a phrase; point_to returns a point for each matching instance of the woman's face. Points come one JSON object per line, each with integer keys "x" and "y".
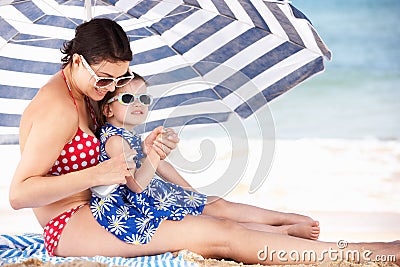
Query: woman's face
{"x": 104, "y": 69}
{"x": 128, "y": 116}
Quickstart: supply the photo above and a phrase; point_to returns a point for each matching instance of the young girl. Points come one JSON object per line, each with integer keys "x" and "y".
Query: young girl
{"x": 133, "y": 211}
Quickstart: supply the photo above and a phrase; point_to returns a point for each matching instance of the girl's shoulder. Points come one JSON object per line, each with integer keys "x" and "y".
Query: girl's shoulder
{"x": 110, "y": 133}
{"x": 108, "y": 130}
{"x": 112, "y": 142}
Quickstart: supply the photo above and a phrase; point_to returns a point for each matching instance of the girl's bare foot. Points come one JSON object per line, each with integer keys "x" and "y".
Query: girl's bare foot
{"x": 308, "y": 230}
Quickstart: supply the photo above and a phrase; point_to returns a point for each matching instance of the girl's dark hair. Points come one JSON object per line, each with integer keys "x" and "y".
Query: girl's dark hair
{"x": 102, "y": 119}
{"x": 97, "y": 40}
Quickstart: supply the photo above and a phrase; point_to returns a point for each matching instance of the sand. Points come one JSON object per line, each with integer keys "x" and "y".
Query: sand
{"x": 197, "y": 259}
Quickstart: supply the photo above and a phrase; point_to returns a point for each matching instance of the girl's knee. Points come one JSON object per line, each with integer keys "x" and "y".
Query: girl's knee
{"x": 218, "y": 203}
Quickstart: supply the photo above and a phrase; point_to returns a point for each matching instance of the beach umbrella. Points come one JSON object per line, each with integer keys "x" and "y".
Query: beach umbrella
{"x": 204, "y": 59}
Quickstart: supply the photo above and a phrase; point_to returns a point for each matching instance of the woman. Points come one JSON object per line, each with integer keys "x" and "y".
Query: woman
{"x": 59, "y": 164}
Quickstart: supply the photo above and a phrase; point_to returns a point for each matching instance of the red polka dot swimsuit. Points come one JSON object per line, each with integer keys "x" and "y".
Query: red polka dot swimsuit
{"x": 80, "y": 153}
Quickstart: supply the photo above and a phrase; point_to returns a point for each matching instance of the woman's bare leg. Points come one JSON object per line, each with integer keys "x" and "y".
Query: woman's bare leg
{"x": 262, "y": 219}
{"x": 205, "y": 235}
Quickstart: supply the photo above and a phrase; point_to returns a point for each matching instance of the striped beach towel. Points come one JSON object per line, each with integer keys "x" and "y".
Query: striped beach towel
{"x": 19, "y": 248}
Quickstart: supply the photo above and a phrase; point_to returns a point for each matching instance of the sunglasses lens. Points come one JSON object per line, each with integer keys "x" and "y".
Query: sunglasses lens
{"x": 123, "y": 81}
{"x": 145, "y": 99}
{"x": 127, "y": 98}
{"x": 103, "y": 82}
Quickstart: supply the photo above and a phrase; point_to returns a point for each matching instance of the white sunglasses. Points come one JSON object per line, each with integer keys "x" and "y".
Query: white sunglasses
{"x": 128, "y": 98}
{"x": 103, "y": 82}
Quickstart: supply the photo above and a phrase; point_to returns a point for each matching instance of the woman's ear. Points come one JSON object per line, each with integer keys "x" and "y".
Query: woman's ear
{"x": 107, "y": 111}
{"x": 76, "y": 59}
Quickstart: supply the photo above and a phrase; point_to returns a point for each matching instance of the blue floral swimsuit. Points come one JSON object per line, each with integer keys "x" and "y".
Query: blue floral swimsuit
{"x": 134, "y": 217}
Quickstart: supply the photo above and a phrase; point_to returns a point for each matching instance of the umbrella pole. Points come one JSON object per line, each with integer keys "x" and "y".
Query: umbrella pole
{"x": 88, "y": 9}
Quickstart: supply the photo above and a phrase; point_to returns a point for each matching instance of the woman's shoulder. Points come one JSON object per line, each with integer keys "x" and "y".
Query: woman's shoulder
{"x": 51, "y": 112}
{"x": 54, "y": 96}
{"x": 52, "y": 104}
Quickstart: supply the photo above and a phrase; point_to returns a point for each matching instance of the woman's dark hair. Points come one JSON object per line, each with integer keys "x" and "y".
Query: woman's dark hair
{"x": 101, "y": 104}
{"x": 97, "y": 40}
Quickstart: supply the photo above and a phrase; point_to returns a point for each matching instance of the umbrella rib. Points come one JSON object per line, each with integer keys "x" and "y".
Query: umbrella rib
{"x": 27, "y": 40}
{"x": 34, "y": 39}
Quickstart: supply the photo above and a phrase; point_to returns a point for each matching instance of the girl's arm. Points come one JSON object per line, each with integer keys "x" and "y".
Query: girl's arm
{"x": 163, "y": 145}
{"x": 166, "y": 171}
{"x": 146, "y": 172}
{"x": 162, "y": 140}
{"x": 139, "y": 178}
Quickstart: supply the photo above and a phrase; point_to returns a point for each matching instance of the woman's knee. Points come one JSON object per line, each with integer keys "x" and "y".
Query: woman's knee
{"x": 228, "y": 232}
{"x": 209, "y": 236}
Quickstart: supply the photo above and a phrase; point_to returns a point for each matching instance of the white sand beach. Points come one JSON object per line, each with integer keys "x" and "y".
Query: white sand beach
{"x": 350, "y": 186}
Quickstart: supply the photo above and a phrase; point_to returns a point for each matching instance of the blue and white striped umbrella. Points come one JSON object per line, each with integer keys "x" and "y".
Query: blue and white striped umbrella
{"x": 205, "y": 60}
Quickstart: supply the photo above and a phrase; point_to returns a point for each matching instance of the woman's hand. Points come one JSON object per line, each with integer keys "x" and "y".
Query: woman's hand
{"x": 115, "y": 170}
{"x": 163, "y": 141}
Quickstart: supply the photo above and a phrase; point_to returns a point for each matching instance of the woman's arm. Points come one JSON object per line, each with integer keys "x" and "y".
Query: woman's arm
{"x": 46, "y": 126}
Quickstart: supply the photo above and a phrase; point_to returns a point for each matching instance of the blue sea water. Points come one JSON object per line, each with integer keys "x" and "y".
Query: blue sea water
{"x": 358, "y": 95}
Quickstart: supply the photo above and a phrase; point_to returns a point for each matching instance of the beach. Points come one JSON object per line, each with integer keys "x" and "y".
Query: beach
{"x": 350, "y": 186}
{"x": 336, "y": 153}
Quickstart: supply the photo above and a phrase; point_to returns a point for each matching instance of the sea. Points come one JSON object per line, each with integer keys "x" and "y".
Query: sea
{"x": 358, "y": 95}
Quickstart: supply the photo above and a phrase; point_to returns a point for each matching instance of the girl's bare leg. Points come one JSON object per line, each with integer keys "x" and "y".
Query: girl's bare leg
{"x": 246, "y": 213}
{"x": 251, "y": 217}
{"x": 309, "y": 230}
{"x": 262, "y": 219}
{"x": 205, "y": 235}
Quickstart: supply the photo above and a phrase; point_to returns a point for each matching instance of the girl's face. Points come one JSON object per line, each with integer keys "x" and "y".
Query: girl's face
{"x": 104, "y": 69}
{"x": 127, "y": 116}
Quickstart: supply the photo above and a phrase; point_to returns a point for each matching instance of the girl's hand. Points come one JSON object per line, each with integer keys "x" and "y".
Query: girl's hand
{"x": 115, "y": 170}
{"x": 163, "y": 141}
